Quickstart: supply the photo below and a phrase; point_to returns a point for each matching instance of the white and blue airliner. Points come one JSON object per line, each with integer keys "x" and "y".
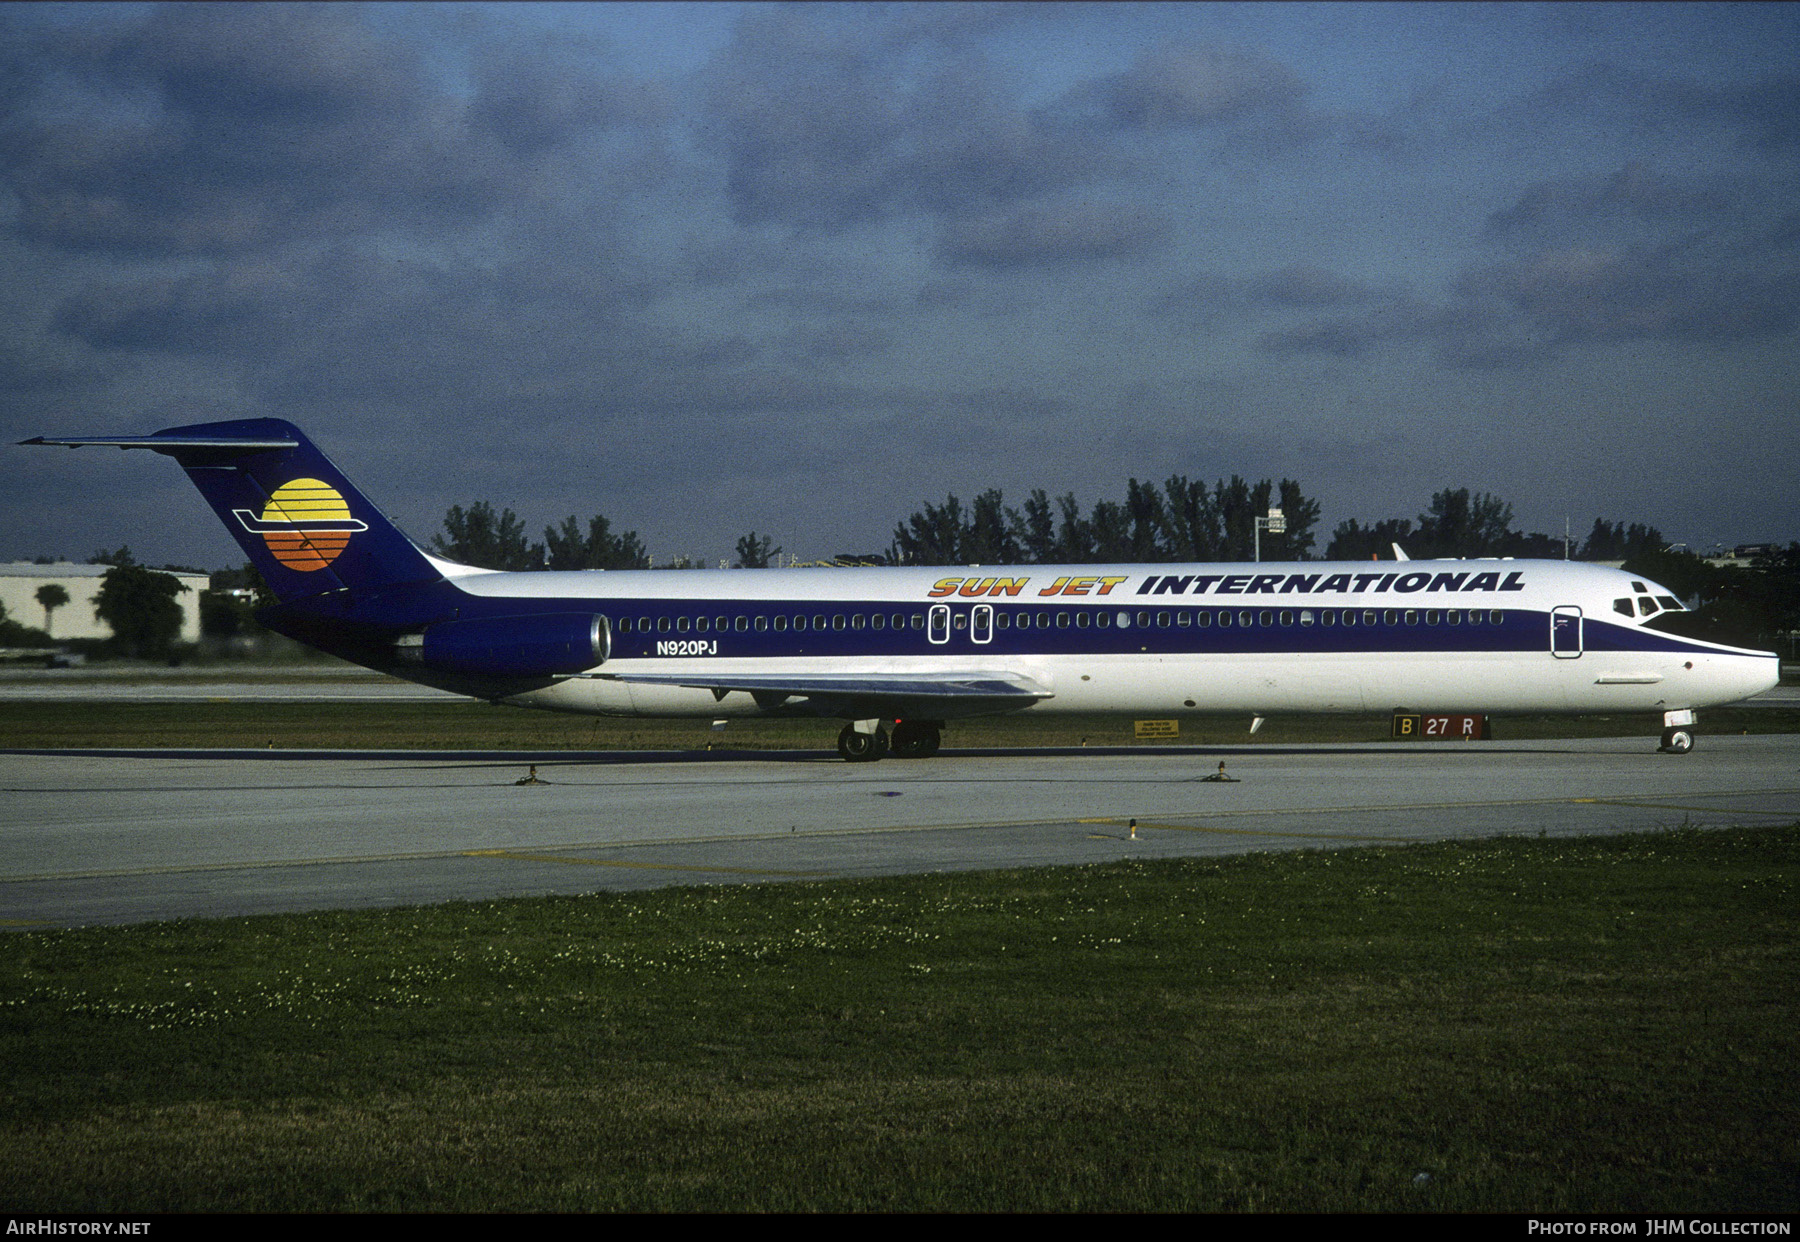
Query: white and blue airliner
{"x": 897, "y": 652}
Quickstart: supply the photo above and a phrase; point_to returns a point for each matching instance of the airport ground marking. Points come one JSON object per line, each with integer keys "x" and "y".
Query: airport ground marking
{"x": 521, "y": 856}
{"x": 1789, "y": 813}
{"x": 1257, "y": 832}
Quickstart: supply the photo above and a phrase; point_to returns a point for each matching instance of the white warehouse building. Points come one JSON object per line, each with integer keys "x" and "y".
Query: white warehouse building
{"x": 21, "y": 580}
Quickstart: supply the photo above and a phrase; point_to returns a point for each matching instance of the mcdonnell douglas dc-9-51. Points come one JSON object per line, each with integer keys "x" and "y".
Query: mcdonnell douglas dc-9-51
{"x": 897, "y": 652}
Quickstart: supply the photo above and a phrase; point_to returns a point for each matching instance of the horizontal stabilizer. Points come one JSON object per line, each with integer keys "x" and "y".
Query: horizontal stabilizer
{"x": 166, "y": 443}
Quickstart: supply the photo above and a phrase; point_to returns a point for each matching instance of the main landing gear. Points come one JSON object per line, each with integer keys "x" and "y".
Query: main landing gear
{"x": 912, "y": 739}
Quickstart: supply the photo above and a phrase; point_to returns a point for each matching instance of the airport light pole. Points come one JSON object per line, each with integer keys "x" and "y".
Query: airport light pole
{"x": 1275, "y": 524}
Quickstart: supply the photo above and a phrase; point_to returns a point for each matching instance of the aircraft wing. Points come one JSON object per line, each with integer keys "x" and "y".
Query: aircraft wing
{"x": 866, "y": 695}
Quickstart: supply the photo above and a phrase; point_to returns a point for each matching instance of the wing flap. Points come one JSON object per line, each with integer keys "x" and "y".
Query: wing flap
{"x": 860, "y": 695}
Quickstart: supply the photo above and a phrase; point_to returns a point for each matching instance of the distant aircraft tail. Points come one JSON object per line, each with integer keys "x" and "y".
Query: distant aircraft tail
{"x": 305, "y": 527}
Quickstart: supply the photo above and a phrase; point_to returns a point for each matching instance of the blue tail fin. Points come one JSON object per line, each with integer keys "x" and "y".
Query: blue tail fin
{"x": 304, "y": 526}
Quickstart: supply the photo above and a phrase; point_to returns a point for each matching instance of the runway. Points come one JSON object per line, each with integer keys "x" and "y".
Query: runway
{"x": 125, "y": 837}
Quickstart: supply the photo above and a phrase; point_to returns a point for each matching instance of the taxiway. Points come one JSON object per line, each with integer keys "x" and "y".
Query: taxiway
{"x": 119, "y": 837}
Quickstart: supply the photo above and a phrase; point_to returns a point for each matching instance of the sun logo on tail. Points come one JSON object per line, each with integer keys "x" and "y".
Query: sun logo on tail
{"x": 306, "y": 524}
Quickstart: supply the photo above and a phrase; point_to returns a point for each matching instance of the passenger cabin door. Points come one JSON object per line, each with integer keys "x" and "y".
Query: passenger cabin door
{"x": 937, "y": 624}
{"x": 1565, "y": 632}
{"x": 981, "y": 623}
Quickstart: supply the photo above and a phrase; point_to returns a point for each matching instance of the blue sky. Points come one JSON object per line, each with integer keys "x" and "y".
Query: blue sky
{"x": 714, "y": 268}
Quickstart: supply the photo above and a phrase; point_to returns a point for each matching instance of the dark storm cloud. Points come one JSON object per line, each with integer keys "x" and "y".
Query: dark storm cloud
{"x": 1764, "y": 114}
{"x": 228, "y": 127}
{"x": 819, "y": 127}
{"x": 1186, "y": 86}
{"x": 1635, "y": 193}
{"x": 1299, "y": 285}
{"x": 1069, "y": 233}
{"x": 1528, "y": 310}
{"x": 736, "y": 254}
{"x": 217, "y": 129}
{"x": 1670, "y": 294}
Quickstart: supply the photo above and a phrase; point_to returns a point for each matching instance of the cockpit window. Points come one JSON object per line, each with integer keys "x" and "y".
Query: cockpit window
{"x": 1669, "y": 603}
{"x": 1639, "y": 587}
{"x": 1646, "y": 605}
{"x": 1622, "y": 607}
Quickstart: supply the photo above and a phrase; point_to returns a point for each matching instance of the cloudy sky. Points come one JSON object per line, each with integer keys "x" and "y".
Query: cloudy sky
{"x": 714, "y": 268}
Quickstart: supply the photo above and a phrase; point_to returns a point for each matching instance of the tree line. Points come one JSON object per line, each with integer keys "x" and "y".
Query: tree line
{"x": 1183, "y": 520}
{"x": 478, "y": 536}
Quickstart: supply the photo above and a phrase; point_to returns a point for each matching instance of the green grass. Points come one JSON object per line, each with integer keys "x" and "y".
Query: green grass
{"x": 1599, "y": 1024}
{"x": 470, "y": 725}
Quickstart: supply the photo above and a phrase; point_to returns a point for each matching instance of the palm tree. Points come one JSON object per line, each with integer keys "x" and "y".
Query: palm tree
{"x": 51, "y": 596}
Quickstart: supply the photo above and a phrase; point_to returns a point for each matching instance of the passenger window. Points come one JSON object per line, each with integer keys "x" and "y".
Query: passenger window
{"x": 1496, "y": 617}
{"x": 1203, "y": 619}
{"x": 1062, "y": 620}
{"x": 743, "y": 623}
{"x": 858, "y": 621}
{"x": 1184, "y": 619}
{"x": 918, "y": 621}
{"x": 1224, "y": 617}
{"x": 762, "y": 624}
{"x": 1306, "y": 617}
{"x": 1083, "y": 619}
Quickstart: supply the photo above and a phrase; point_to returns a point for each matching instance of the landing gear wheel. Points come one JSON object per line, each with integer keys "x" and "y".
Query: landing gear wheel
{"x": 861, "y": 747}
{"x": 1676, "y": 742}
{"x": 916, "y": 739}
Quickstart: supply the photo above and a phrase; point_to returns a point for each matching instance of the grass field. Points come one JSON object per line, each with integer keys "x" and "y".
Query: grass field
{"x": 472, "y": 725}
{"x": 1603, "y": 1024}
